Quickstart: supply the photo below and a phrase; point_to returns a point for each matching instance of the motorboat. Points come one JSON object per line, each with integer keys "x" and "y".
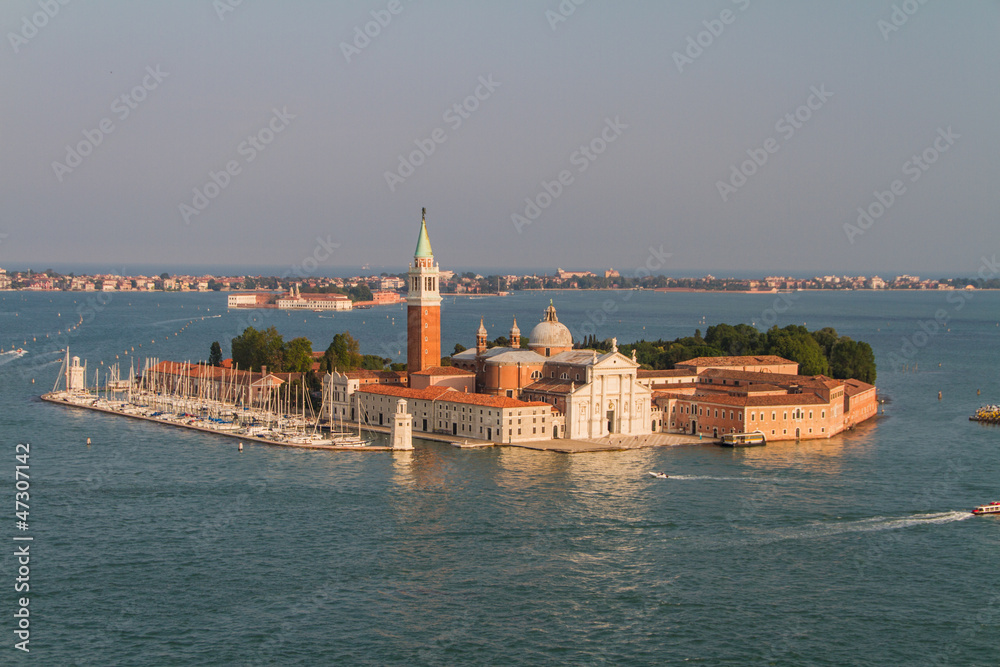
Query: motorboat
{"x": 991, "y": 508}
{"x": 743, "y": 439}
{"x": 659, "y": 475}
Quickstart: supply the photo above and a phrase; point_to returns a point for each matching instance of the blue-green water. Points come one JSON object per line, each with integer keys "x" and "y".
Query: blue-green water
{"x": 158, "y": 546}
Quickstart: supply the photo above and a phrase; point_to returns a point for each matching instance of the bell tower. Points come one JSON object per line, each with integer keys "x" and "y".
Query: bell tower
{"x": 423, "y": 306}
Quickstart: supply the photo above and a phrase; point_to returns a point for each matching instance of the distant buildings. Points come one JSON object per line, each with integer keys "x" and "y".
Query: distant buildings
{"x": 295, "y": 300}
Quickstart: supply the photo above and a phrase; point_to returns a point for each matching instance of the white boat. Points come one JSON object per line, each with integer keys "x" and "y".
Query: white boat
{"x": 743, "y": 439}
{"x": 659, "y": 475}
{"x": 991, "y": 508}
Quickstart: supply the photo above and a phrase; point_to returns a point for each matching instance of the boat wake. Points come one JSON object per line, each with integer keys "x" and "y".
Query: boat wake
{"x": 11, "y": 355}
{"x": 184, "y": 319}
{"x": 874, "y": 524}
{"x": 726, "y": 479}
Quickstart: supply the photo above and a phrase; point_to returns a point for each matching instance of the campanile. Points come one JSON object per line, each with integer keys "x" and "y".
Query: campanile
{"x": 423, "y": 307}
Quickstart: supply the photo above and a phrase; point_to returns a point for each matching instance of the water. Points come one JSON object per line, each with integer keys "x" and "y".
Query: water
{"x": 159, "y": 546}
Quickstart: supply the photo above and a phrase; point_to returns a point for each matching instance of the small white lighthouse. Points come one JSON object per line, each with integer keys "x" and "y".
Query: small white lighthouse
{"x": 402, "y": 427}
{"x": 74, "y": 376}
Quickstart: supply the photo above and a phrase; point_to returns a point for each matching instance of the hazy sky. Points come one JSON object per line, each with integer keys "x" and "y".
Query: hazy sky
{"x": 309, "y": 113}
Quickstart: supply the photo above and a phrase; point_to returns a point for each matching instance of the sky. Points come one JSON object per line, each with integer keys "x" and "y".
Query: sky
{"x": 731, "y": 136}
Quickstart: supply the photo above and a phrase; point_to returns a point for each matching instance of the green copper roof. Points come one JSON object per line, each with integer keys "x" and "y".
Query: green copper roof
{"x": 423, "y": 243}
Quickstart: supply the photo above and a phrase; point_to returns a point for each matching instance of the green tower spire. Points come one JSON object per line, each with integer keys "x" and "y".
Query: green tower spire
{"x": 423, "y": 242}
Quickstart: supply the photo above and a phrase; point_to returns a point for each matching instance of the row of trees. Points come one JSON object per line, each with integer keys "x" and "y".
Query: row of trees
{"x": 253, "y": 349}
{"x": 359, "y": 292}
{"x": 821, "y": 352}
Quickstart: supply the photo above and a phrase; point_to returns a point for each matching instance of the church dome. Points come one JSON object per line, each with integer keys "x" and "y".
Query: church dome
{"x": 550, "y": 333}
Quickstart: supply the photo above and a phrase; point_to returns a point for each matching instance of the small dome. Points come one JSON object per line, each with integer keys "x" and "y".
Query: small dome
{"x": 550, "y": 333}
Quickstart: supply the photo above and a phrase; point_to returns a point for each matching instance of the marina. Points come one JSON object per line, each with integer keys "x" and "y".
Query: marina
{"x": 270, "y": 419}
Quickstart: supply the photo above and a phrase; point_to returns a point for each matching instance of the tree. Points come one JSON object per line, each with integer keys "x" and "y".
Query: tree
{"x": 343, "y": 354}
{"x": 297, "y": 355}
{"x": 253, "y": 349}
{"x": 373, "y": 362}
{"x": 459, "y": 348}
{"x": 827, "y": 337}
{"x": 499, "y": 341}
{"x": 795, "y": 343}
{"x": 215, "y": 354}
{"x": 739, "y": 340}
{"x": 360, "y": 292}
{"x": 164, "y": 275}
{"x": 853, "y": 359}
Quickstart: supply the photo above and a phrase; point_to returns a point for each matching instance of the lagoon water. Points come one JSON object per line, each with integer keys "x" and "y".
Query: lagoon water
{"x": 158, "y": 546}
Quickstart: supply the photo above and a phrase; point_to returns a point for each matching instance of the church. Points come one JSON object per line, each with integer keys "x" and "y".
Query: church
{"x": 592, "y": 394}
{"x": 510, "y": 394}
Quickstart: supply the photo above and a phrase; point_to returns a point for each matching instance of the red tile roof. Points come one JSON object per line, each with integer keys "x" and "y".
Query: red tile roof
{"x": 762, "y": 360}
{"x": 451, "y": 395}
{"x": 673, "y": 373}
{"x": 365, "y": 374}
{"x": 442, "y": 370}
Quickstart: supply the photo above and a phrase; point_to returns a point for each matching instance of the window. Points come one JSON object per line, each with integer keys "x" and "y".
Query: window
{"x": 774, "y": 415}
{"x": 823, "y": 414}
